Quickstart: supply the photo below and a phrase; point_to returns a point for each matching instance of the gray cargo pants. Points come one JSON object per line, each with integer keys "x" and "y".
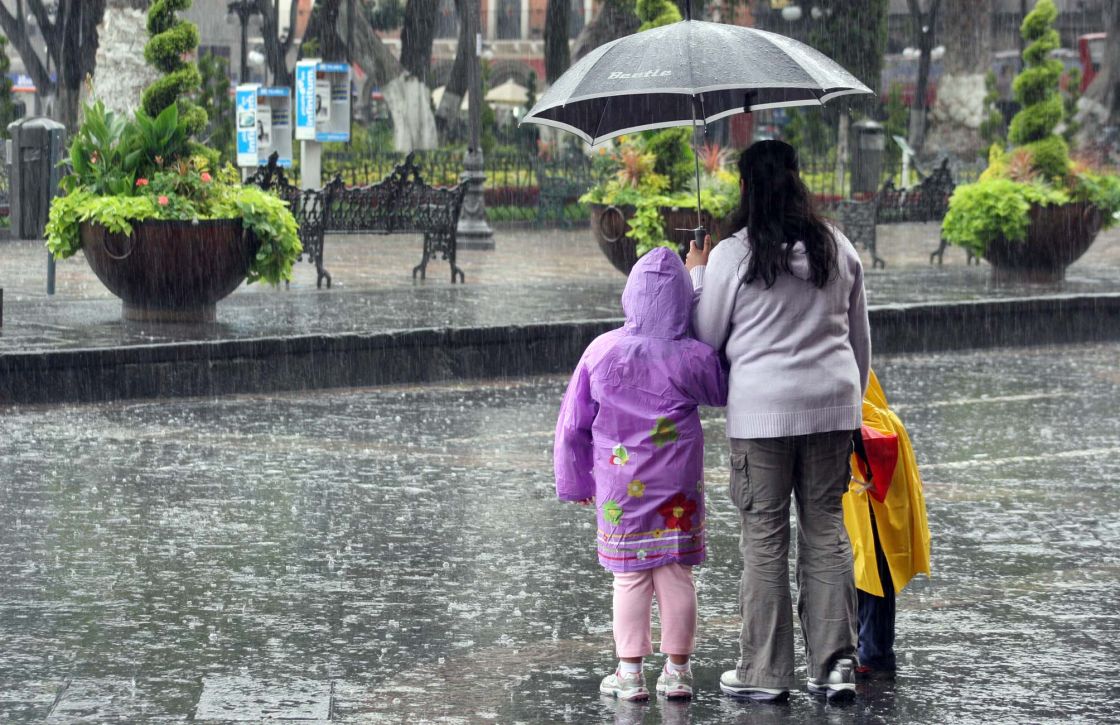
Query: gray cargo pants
{"x": 815, "y": 469}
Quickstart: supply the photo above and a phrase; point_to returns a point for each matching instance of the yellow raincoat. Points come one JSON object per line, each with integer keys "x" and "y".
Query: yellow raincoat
{"x": 901, "y": 517}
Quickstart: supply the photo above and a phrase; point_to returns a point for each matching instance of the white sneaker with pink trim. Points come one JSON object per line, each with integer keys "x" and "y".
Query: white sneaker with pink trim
{"x": 629, "y": 686}
{"x": 675, "y": 685}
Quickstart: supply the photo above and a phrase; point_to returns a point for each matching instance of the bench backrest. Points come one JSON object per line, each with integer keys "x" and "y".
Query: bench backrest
{"x": 926, "y": 202}
{"x": 401, "y": 202}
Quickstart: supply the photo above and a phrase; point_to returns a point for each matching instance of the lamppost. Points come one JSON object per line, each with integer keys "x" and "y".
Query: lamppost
{"x": 474, "y": 231}
{"x": 244, "y": 10}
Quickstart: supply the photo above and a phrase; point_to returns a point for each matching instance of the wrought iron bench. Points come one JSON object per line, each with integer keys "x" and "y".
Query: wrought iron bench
{"x": 400, "y": 203}
{"x": 925, "y": 202}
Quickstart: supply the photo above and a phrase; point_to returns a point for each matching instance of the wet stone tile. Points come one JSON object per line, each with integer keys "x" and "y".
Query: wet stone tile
{"x": 106, "y": 699}
{"x": 27, "y": 700}
{"x": 242, "y": 698}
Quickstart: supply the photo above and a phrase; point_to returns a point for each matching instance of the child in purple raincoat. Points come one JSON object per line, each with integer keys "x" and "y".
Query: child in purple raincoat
{"x": 629, "y": 440}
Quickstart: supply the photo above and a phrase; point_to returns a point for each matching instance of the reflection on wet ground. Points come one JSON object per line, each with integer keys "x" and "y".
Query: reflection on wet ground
{"x": 397, "y": 555}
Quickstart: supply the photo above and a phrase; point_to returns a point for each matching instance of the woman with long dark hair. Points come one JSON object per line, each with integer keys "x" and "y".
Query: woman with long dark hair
{"x": 783, "y": 299}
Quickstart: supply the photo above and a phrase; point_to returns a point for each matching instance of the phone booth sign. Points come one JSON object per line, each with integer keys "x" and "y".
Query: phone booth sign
{"x": 264, "y": 125}
{"x": 322, "y": 101}
{"x": 246, "y": 102}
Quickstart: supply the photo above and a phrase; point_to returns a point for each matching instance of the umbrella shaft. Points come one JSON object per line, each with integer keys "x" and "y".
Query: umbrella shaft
{"x": 696, "y": 158}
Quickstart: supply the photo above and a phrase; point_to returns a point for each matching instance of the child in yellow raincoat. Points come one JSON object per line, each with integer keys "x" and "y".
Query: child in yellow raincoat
{"x": 886, "y": 521}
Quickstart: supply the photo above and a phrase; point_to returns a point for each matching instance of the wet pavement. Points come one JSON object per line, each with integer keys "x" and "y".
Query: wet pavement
{"x": 532, "y": 276}
{"x": 397, "y": 555}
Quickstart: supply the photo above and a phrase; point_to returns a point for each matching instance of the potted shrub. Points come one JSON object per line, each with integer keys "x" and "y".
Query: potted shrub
{"x": 1033, "y": 212}
{"x": 161, "y": 230}
{"x": 649, "y": 198}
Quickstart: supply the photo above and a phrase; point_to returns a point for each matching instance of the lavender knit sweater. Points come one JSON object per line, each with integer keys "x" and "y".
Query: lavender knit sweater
{"x": 799, "y": 355}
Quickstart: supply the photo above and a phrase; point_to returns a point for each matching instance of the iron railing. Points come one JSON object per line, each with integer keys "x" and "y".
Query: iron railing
{"x": 522, "y": 187}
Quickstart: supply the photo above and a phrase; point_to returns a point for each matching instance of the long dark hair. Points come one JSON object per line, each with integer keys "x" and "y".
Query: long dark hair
{"x": 776, "y": 209}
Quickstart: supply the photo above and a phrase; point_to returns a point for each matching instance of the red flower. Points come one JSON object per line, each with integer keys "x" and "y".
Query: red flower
{"x": 206, "y": 177}
{"x": 678, "y": 512}
{"x": 141, "y": 181}
{"x": 163, "y": 200}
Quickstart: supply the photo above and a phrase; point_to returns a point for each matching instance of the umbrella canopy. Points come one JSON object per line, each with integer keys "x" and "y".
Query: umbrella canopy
{"x": 510, "y": 93}
{"x": 687, "y": 73}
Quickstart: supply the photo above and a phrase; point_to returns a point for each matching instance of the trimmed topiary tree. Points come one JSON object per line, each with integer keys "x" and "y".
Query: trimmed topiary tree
{"x": 1038, "y": 92}
{"x": 171, "y": 40}
{"x": 1033, "y": 212}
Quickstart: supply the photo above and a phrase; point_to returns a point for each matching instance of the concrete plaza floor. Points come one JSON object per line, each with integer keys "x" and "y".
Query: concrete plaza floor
{"x": 397, "y": 555}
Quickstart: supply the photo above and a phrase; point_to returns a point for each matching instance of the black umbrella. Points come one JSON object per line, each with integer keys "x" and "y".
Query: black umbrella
{"x": 687, "y": 74}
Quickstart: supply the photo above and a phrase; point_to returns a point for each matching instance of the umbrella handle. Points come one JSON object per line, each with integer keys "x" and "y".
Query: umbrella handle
{"x": 622, "y": 224}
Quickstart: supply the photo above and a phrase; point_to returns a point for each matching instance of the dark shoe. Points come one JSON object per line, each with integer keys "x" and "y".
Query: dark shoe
{"x": 730, "y": 685}
{"x": 866, "y": 673}
{"x": 840, "y": 685}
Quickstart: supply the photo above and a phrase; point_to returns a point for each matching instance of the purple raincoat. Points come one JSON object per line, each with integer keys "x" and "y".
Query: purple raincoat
{"x": 629, "y": 430}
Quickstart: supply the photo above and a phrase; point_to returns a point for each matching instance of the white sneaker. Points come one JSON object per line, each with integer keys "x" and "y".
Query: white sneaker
{"x": 675, "y": 685}
{"x": 730, "y": 685}
{"x": 628, "y": 686}
{"x": 840, "y": 685}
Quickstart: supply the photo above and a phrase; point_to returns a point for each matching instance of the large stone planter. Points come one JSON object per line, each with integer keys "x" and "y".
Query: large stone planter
{"x": 170, "y": 271}
{"x": 611, "y": 224}
{"x": 1056, "y": 237}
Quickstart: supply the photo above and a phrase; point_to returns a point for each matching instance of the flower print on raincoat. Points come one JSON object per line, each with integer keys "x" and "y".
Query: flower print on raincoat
{"x": 638, "y": 388}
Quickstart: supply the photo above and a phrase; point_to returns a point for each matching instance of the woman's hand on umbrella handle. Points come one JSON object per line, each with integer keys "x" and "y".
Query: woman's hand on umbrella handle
{"x": 698, "y": 257}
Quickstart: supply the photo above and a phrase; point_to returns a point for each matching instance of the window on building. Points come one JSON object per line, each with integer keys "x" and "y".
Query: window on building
{"x": 509, "y": 19}
{"x": 577, "y": 21}
{"x": 447, "y": 22}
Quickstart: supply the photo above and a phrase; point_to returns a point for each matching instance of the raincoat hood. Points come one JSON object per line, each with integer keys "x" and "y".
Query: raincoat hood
{"x": 657, "y": 300}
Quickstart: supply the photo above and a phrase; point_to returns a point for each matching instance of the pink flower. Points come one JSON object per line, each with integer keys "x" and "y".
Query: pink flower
{"x": 206, "y": 177}
{"x": 163, "y": 200}
{"x": 141, "y": 181}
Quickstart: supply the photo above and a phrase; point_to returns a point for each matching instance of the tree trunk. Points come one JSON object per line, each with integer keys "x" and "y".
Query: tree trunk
{"x": 71, "y": 45}
{"x": 408, "y": 98}
{"x": 121, "y": 73}
{"x": 416, "y": 36}
{"x": 278, "y": 54}
{"x": 924, "y": 23}
{"x": 447, "y": 115}
{"x": 960, "y": 109}
{"x": 330, "y": 31}
{"x": 1099, "y": 107}
{"x": 557, "y": 53}
{"x": 615, "y": 19}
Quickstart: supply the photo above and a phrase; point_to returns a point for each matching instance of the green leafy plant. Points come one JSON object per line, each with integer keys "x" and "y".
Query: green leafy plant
{"x": 214, "y": 95}
{"x": 1037, "y": 170}
{"x": 128, "y": 170}
{"x": 8, "y": 109}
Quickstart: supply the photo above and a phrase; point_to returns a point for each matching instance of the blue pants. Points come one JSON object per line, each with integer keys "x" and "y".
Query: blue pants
{"x": 876, "y": 615}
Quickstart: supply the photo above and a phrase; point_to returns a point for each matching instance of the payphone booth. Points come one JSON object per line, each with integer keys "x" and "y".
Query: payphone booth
{"x": 322, "y": 113}
{"x": 264, "y": 125}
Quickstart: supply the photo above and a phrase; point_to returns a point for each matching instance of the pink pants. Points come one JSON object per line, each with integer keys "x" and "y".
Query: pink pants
{"x": 676, "y": 602}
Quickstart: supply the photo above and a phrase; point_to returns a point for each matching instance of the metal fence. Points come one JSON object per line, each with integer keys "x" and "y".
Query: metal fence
{"x": 513, "y": 185}
{"x": 521, "y": 187}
